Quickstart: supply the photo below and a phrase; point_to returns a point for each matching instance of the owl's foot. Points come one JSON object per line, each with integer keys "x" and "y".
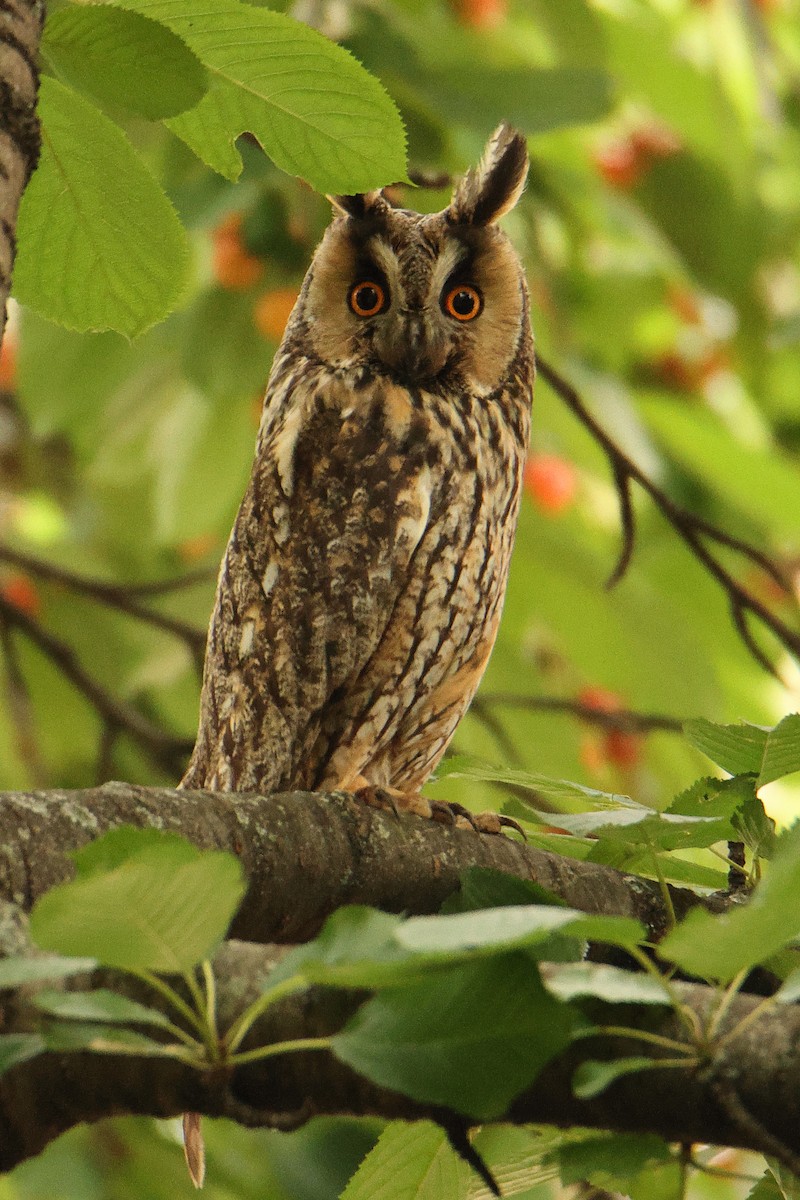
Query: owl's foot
{"x": 446, "y": 813}
{"x": 485, "y": 822}
{"x": 390, "y": 800}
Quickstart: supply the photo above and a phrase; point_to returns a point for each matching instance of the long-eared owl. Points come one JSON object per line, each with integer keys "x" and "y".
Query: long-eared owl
{"x": 362, "y": 586}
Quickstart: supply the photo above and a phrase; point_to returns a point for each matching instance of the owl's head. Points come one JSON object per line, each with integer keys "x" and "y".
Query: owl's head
{"x": 424, "y": 298}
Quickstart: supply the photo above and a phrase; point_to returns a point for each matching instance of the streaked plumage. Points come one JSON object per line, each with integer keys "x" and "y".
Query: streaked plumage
{"x": 362, "y": 586}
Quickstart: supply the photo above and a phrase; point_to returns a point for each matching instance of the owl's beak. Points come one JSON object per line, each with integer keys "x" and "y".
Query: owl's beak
{"x": 417, "y": 352}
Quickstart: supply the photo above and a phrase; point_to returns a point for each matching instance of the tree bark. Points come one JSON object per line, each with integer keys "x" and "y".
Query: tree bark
{"x": 21, "y": 24}
{"x": 747, "y": 1094}
{"x": 306, "y": 854}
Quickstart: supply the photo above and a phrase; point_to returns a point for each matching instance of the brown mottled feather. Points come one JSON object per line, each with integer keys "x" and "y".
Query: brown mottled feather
{"x": 362, "y": 586}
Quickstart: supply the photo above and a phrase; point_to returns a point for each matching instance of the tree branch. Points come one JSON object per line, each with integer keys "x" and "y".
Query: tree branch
{"x": 747, "y": 1095}
{"x": 306, "y": 854}
{"x": 690, "y": 527}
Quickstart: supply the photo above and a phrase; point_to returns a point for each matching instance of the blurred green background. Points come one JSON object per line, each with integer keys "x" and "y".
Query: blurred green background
{"x": 661, "y": 234}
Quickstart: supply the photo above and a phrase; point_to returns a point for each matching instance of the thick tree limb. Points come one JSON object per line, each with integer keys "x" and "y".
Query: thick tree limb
{"x": 306, "y": 855}
{"x": 20, "y": 30}
{"x": 749, "y": 1097}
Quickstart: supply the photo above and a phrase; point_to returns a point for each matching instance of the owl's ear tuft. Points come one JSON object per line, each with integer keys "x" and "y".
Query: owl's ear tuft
{"x": 493, "y": 187}
{"x": 359, "y": 206}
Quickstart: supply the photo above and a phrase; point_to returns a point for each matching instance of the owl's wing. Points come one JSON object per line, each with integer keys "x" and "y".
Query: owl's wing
{"x": 321, "y": 550}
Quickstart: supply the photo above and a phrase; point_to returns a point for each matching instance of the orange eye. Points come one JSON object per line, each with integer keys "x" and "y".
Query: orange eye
{"x": 463, "y": 302}
{"x": 367, "y": 299}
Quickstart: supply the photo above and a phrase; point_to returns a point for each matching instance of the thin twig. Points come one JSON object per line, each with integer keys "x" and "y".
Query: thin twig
{"x": 123, "y": 597}
{"x": 164, "y": 748}
{"x": 490, "y": 721}
{"x": 623, "y": 719}
{"x": 21, "y": 709}
{"x": 689, "y": 527}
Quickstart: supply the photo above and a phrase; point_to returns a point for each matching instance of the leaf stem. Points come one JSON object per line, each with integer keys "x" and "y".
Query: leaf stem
{"x": 640, "y": 1035}
{"x": 290, "y": 1047}
{"x": 239, "y": 1029}
{"x": 177, "y": 1002}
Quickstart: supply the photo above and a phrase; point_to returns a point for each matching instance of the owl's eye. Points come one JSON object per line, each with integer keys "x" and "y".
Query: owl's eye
{"x": 367, "y": 298}
{"x": 462, "y": 302}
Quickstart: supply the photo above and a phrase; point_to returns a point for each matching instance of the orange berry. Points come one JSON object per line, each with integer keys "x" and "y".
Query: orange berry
{"x": 233, "y": 265}
{"x": 619, "y": 163}
{"x": 195, "y": 548}
{"x": 655, "y": 140}
{"x": 600, "y": 699}
{"x": 20, "y": 591}
{"x": 272, "y": 311}
{"x": 8, "y": 363}
{"x": 481, "y": 14}
{"x": 551, "y": 482}
{"x": 592, "y": 754}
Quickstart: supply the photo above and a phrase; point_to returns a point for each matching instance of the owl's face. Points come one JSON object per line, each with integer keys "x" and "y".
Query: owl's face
{"x": 423, "y": 299}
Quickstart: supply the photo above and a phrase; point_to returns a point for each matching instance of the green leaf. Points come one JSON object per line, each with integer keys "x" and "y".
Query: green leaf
{"x": 738, "y": 749}
{"x": 769, "y": 754}
{"x": 470, "y": 1039}
{"x": 755, "y": 828}
{"x": 119, "y": 845}
{"x": 410, "y": 1162}
{"x": 100, "y": 246}
{"x": 17, "y": 1048}
{"x": 718, "y": 947}
{"x": 124, "y": 60}
{"x": 100, "y": 1005}
{"x": 315, "y": 110}
{"x": 360, "y": 947}
{"x": 592, "y": 1077}
{"x": 610, "y": 1158}
{"x": 557, "y": 790}
{"x": 155, "y": 911}
{"x": 767, "y": 1189}
{"x": 495, "y": 929}
{"x": 485, "y": 887}
{"x": 782, "y": 753}
{"x": 67, "y": 1036}
{"x": 17, "y": 971}
{"x": 713, "y": 797}
{"x": 789, "y": 991}
{"x": 610, "y": 984}
{"x": 788, "y": 1183}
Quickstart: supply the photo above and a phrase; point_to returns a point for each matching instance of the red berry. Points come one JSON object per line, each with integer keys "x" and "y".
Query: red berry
{"x": 551, "y": 482}
{"x": 8, "y": 363}
{"x": 600, "y": 699}
{"x": 272, "y": 311}
{"x": 481, "y": 14}
{"x": 20, "y": 591}
{"x": 623, "y": 748}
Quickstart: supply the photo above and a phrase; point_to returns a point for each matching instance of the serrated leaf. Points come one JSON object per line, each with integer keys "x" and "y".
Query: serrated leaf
{"x": 610, "y": 984}
{"x": 14, "y": 972}
{"x": 124, "y": 60}
{"x": 100, "y": 245}
{"x": 766, "y": 1189}
{"x": 410, "y": 1162}
{"x": 782, "y": 753}
{"x": 719, "y": 947}
{"x": 519, "y": 1159}
{"x": 17, "y": 1048}
{"x": 738, "y": 749}
{"x": 315, "y": 110}
{"x": 648, "y": 827}
{"x": 592, "y": 1077}
{"x": 788, "y": 1183}
{"x": 470, "y": 1039}
{"x": 154, "y": 912}
{"x": 755, "y": 828}
{"x": 100, "y": 1005}
{"x": 713, "y": 797}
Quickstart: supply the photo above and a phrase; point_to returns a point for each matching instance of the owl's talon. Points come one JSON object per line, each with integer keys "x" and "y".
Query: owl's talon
{"x": 485, "y": 822}
{"x": 377, "y": 797}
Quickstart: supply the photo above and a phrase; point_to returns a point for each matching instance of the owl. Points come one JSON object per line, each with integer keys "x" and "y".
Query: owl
{"x": 361, "y": 589}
